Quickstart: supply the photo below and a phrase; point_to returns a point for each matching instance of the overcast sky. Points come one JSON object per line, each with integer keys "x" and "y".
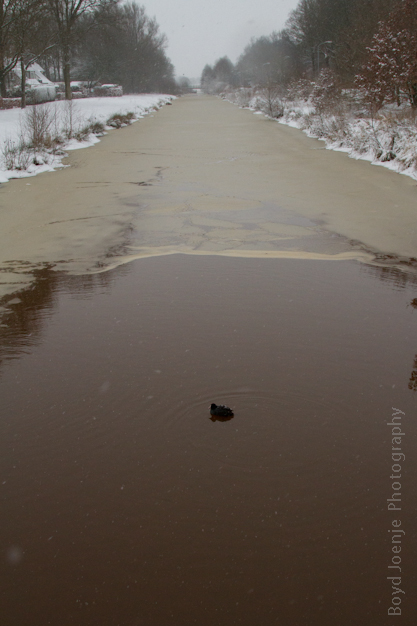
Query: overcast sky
{"x": 201, "y": 31}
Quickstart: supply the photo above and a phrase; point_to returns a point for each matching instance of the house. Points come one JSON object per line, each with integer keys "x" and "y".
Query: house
{"x": 34, "y": 75}
{"x": 38, "y": 87}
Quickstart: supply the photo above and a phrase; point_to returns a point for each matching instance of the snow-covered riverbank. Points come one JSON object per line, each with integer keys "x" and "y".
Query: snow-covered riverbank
{"x": 65, "y": 119}
{"x": 389, "y": 140}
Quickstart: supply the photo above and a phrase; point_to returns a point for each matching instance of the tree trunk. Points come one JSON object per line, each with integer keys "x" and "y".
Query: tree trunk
{"x": 313, "y": 62}
{"x": 66, "y": 55}
{"x": 23, "y": 84}
{"x": 57, "y": 66}
{"x": 2, "y": 54}
{"x": 67, "y": 81}
{"x": 3, "y": 90}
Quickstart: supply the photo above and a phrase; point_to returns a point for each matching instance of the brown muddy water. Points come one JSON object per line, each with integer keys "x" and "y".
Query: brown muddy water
{"x": 124, "y": 504}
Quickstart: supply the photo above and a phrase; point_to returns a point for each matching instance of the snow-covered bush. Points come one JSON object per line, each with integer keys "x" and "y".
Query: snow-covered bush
{"x": 16, "y": 155}
{"x": 242, "y": 96}
{"x": 44, "y": 130}
{"x": 269, "y": 101}
{"x": 108, "y": 90}
{"x": 41, "y": 134}
{"x": 390, "y": 71}
{"x": 43, "y": 93}
{"x": 37, "y": 126}
{"x": 300, "y": 90}
{"x": 10, "y": 103}
{"x": 120, "y": 119}
{"x": 341, "y": 118}
{"x": 326, "y": 92}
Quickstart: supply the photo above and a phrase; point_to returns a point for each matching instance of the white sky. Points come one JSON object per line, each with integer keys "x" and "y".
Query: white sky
{"x": 201, "y": 31}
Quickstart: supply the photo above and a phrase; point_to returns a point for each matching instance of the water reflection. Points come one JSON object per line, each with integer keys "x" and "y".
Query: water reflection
{"x": 221, "y": 418}
{"x": 23, "y": 315}
{"x": 403, "y": 275}
{"x": 413, "y": 378}
{"x": 412, "y": 384}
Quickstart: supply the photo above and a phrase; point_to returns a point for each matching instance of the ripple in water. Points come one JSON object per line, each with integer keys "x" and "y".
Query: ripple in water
{"x": 268, "y": 428}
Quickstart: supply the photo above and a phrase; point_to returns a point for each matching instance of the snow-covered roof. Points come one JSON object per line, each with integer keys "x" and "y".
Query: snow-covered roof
{"x": 38, "y": 78}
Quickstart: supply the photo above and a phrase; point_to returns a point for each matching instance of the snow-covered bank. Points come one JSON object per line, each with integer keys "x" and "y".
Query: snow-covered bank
{"x": 389, "y": 140}
{"x": 66, "y": 121}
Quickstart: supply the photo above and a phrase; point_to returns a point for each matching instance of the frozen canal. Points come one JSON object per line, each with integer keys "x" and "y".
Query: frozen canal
{"x": 123, "y": 503}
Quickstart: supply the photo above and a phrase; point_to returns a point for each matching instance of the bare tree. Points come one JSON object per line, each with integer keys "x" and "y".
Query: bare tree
{"x": 29, "y": 38}
{"x": 8, "y": 55}
{"x": 334, "y": 33}
{"x": 124, "y": 46}
{"x": 66, "y": 14}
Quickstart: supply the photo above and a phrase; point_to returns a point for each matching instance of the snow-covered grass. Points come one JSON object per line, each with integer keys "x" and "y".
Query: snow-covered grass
{"x": 389, "y": 139}
{"x": 36, "y": 139}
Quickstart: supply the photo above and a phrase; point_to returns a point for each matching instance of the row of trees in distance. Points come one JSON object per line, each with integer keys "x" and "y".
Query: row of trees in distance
{"x": 370, "y": 44}
{"x": 93, "y": 40}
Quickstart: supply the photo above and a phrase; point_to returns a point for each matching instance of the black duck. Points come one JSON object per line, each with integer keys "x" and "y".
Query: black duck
{"x": 220, "y": 410}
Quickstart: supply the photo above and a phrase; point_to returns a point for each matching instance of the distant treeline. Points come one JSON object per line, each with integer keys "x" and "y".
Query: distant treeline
{"x": 92, "y": 40}
{"x": 371, "y": 44}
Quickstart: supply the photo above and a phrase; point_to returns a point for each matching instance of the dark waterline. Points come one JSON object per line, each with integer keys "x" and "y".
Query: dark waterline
{"x": 123, "y": 503}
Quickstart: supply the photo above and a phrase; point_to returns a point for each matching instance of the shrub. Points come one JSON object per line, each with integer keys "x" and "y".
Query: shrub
{"x": 71, "y": 119}
{"x": 244, "y": 97}
{"x": 82, "y": 133}
{"x": 268, "y": 100}
{"x": 16, "y": 156}
{"x": 390, "y": 71}
{"x": 97, "y": 128}
{"x": 273, "y": 105}
{"x": 326, "y": 92}
{"x": 37, "y": 125}
{"x": 120, "y": 119}
{"x": 300, "y": 89}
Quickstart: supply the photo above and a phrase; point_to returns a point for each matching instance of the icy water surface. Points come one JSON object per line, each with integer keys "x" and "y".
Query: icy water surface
{"x": 124, "y": 504}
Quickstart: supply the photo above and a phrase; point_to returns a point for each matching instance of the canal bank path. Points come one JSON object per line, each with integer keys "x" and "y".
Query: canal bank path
{"x": 203, "y": 177}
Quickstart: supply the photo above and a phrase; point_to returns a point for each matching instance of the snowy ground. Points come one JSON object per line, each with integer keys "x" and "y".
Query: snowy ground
{"x": 389, "y": 140}
{"x": 13, "y": 126}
